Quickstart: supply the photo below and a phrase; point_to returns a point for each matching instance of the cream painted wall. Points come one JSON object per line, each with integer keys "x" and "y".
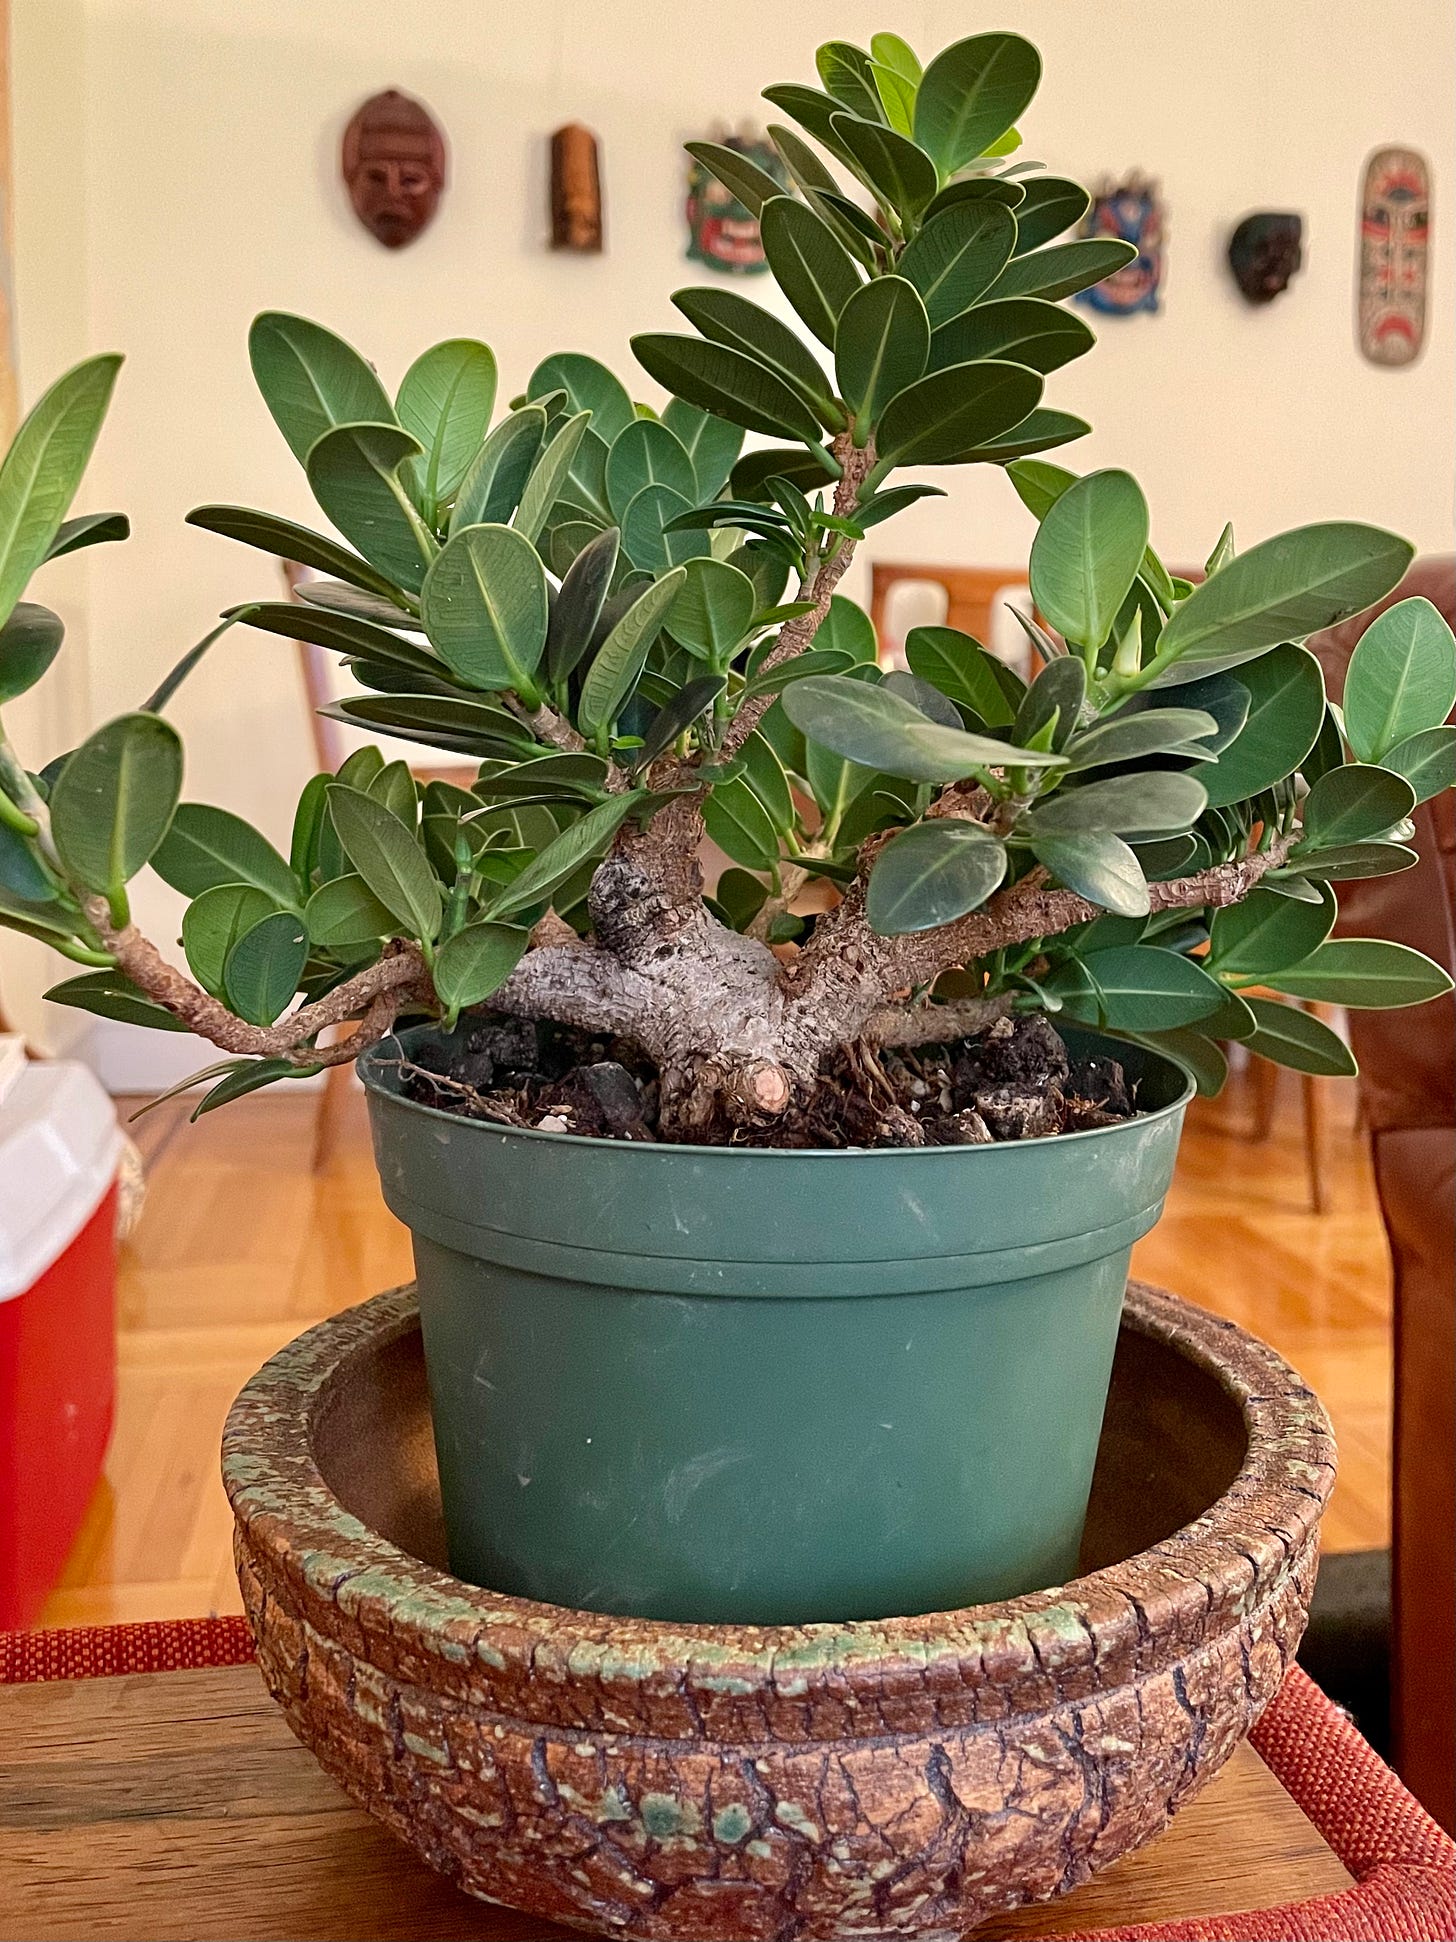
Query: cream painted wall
{"x": 203, "y": 186}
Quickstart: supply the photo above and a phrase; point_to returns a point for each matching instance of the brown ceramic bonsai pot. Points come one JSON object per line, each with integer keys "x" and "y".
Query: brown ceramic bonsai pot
{"x": 902, "y": 1777}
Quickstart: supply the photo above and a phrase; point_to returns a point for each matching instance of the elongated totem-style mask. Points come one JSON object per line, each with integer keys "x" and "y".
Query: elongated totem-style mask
{"x": 394, "y": 167}
{"x": 1264, "y": 252}
{"x": 576, "y": 190}
{"x": 1395, "y": 216}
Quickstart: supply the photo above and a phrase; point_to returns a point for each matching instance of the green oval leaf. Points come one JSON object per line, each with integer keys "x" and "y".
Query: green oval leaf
{"x": 345, "y": 914}
{"x": 955, "y": 411}
{"x": 213, "y": 923}
{"x": 713, "y": 613}
{"x": 355, "y": 471}
{"x": 205, "y": 846}
{"x": 646, "y": 454}
{"x": 1355, "y": 861}
{"x": 619, "y": 661}
{"x": 1267, "y": 933}
{"x": 955, "y": 258}
{"x": 810, "y": 265}
{"x": 881, "y": 346}
{"x": 1050, "y": 207}
{"x": 1137, "y": 988}
{"x": 114, "y": 799}
{"x": 1365, "y": 974}
{"x": 710, "y": 443}
{"x": 584, "y": 839}
{"x": 880, "y": 730}
{"x": 740, "y": 825}
{"x": 389, "y": 858}
{"x": 288, "y": 541}
{"x": 931, "y": 874}
{"x": 477, "y": 961}
{"x": 651, "y": 536}
{"x": 484, "y": 607}
{"x": 1098, "y": 866}
{"x": 961, "y": 668}
{"x": 1086, "y": 555}
{"x": 1279, "y": 591}
{"x": 1286, "y": 1035}
{"x": 491, "y": 489}
{"x": 1286, "y": 709}
{"x": 726, "y": 383}
{"x": 445, "y": 400}
{"x": 1426, "y": 759}
{"x": 1156, "y": 802}
{"x": 589, "y": 386}
{"x": 264, "y": 966}
{"x": 29, "y": 641}
{"x": 1151, "y": 731}
{"x": 43, "y": 468}
{"x": 1401, "y": 678}
{"x": 727, "y": 318}
{"x": 1064, "y": 269}
{"x": 312, "y": 380}
{"x": 971, "y": 94}
{"x": 1353, "y": 803}
{"x": 744, "y": 179}
{"x": 578, "y": 605}
{"x": 899, "y": 174}
{"x": 111, "y": 994}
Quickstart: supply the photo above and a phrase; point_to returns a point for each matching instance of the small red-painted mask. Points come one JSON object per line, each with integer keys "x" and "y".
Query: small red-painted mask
{"x": 394, "y": 166}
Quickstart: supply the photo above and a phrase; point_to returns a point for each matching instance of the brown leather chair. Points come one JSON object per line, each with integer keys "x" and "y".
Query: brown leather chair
{"x": 1408, "y": 1088}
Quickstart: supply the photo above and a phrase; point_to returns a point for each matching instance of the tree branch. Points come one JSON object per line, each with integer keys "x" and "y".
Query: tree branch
{"x": 928, "y": 1024}
{"x": 400, "y": 976}
{"x": 546, "y": 725}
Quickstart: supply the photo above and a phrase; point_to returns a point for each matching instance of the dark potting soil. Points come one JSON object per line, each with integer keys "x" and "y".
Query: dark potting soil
{"x": 1015, "y": 1081}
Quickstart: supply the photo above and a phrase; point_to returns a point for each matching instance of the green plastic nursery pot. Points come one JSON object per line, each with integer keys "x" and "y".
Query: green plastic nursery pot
{"x": 712, "y": 1384}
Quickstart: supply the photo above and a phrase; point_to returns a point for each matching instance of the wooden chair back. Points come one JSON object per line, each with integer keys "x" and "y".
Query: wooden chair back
{"x": 972, "y": 594}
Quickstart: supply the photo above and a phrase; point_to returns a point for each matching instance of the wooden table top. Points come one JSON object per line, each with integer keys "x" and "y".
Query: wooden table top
{"x": 178, "y": 1806}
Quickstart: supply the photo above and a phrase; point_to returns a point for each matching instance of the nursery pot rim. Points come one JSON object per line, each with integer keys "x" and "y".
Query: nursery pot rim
{"x": 344, "y": 1570}
{"x": 374, "y": 1081}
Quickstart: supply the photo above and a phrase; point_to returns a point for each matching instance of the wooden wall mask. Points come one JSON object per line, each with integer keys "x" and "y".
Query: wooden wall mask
{"x": 576, "y": 190}
{"x": 1395, "y": 217}
{"x": 394, "y": 167}
{"x": 1264, "y": 252}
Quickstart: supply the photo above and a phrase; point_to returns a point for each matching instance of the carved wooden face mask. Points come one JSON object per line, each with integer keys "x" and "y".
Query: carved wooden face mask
{"x": 1395, "y": 215}
{"x": 1264, "y": 253}
{"x": 394, "y": 166}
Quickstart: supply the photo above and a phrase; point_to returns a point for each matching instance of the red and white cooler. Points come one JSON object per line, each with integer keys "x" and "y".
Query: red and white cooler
{"x": 59, "y": 1148}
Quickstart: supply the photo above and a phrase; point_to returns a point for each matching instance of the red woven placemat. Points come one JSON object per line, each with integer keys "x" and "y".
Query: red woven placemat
{"x": 1404, "y": 1865}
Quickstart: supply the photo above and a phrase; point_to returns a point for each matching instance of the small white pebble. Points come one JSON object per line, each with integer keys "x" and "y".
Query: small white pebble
{"x": 919, "y": 1089}
{"x": 552, "y": 1123}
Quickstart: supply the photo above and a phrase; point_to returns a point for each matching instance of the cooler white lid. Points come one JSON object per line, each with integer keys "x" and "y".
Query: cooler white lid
{"x": 59, "y": 1146}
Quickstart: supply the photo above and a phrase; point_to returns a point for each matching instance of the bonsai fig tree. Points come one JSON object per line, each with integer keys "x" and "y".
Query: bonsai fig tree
{"x": 632, "y": 624}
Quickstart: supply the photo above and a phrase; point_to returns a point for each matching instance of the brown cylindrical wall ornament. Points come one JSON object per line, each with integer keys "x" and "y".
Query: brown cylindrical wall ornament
{"x": 576, "y": 190}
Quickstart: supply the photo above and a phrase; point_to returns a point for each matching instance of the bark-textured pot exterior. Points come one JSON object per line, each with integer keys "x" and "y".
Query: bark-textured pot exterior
{"x": 719, "y": 1385}
{"x": 905, "y": 1777}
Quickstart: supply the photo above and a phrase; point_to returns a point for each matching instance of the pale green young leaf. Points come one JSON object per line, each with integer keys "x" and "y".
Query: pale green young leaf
{"x": 1401, "y": 678}
{"x": 114, "y": 799}
{"x": 445, "y": 400}
{"x": 43, "y": 468}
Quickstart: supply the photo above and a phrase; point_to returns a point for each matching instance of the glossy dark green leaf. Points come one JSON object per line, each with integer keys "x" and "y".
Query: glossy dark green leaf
{"x": 1016, "y": 330}
{"x": 578, "y": 606}
{"x": 1039, "y": 431}
{"x": 213, "y": 923}
{"x": 491, "y": 489}
{"x": 356, "y": 475}
{"x": 725, "y": 317}
{"x": 971, "y": 94}
{"x": 955, "y": 410}
{"x": 714, "y": 610}
{"x": 622, "y": 656}
{"x": 312, "y": 381}
{"x": 485, "y": 608}
{"x": 1426, "y": 759}
{"x": 111, "y": 994}
{"x": 549, "y": 477}
{"x": 1063, "y": 269}
{"x": 589, "y": 386}
{"x": 878, "y": 730}
{"x": 740, "y": 897}
{"x": 1288, "y": 1036}
{"x": 476, "y": 961}
{"x": 740, "y": 825}
{"x": 1099, "y": 866}
{"x": 292, "y": 542}
{"x": 978, "y": 188}
{"x": 726, "y": 382}
{"x": 1267, "y": 933}
{"x": 742, "y": 177}
{"x": 678, "y": 714}
{"x": 389, "y": 858}
{"x": 811, "y": 661}
{"x": 1086, "y": 555}
{"x": 445, "y": 400}
{"x": 29, "y": 641}
{"x": 931, "y": 874}
{"x": 954, "y": 259}
{"x": 1286, "y": 708}
{"x": 586, "y": 838}
{"x": 1052, "y": 206}
{"x": 341, "y": 634}
{"x": 884, "y": 505}
{"x": 646, "y": 454}
{"x": 900, "y": 175}
{"x": 655, "y": 533}
{"x": 710, "y": 443}
{"x": 923, "y": 695}
{"x": 1137, "y": 988}
{"x": 43, "y": 468}
{"x": 1146, "y": 804}
{"x": 1401, "y": 678}
{"x": 89, "y": 529}
{"x": 1223, "y": 697}
{"x": 815, "y": 111}
{"x": 881, "y": 346}
{"x": 810, "y": 264}
{"x": 1365, "y": 973}
{"x": 114, "y": 799}
{"x": 206, "y": 846}
{"x": 1279, "y": 591}
{"x": 470, "y": 727}
{"x": 1354, "y": 803}
{"x": 250, "y": 1075}
{"x": 1355, "y": 861}
{"x": 264, "y": 966}
{"x": 961, "y": 668}
{"x": 1057, "y": 695}
{"x": 1151, "y": 731}
{"x": 24, "y": 880}
{"x": 344, "y": 914}
{"x": 1202, "y": 1056}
